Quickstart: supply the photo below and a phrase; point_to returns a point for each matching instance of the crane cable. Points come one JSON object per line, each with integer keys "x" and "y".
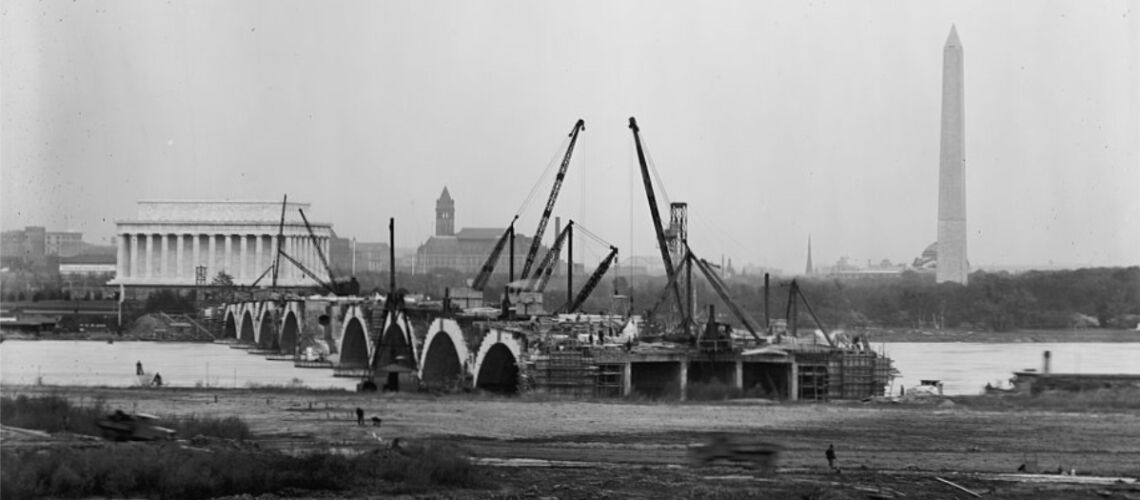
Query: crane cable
{"x": 534, "y": 190}
{"x": 661, "y": 192}
{"x": 579, "y": 227}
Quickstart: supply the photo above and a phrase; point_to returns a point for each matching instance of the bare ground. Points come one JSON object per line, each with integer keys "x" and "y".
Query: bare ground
{"x": 623, "y": 449}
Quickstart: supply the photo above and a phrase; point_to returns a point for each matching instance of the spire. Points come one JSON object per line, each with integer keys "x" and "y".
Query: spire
{"x": 445, "y": 196}
{"x": 808, "y": 268}
{"x": 952, "y": 40}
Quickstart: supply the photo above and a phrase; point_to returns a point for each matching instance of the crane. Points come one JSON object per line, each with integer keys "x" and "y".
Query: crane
{"x": 670, "y": 272}
{"x": 280, "y": 241}
{"x": 320, "y": 252}
{"x": 484, "y": 275}
{"x": 538, "y": 233}
{"x": 793, "y": 313}
{"x": 546, "y": 266}
{"x": 592, "y": 282}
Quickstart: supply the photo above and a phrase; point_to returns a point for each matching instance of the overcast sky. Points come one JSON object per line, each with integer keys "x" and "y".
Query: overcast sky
{"x": 773, "y": 120}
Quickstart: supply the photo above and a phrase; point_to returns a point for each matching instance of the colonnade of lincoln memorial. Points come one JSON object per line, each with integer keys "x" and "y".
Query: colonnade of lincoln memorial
{"x": 149, "y": 258}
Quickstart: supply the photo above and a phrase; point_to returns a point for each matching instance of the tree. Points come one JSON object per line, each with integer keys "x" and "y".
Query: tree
{"x": 225, "y": 285}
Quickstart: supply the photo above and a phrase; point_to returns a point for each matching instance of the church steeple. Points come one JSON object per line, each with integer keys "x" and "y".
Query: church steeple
{"x": 445, "y": 214}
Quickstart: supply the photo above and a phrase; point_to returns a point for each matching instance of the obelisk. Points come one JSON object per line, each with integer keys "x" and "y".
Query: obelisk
{"x": 952, "y": 265}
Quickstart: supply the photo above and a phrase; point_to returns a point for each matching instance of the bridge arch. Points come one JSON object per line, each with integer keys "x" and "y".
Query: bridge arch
{"x": 354, "y": 344}
{"x": 446, "y": 359}
{"x": 230, "y": 330}
{"x": 497, "y": 363}
{"x": 247, "y": 332}
{"x": 290, "y": 332}
{"x": 267, "y": 329}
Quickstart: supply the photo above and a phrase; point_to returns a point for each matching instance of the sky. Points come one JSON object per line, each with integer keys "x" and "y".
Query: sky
{"x": 772, "y": 120}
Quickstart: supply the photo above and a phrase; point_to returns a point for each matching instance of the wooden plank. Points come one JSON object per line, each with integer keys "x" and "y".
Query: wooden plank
{"x": 956, "y": 485}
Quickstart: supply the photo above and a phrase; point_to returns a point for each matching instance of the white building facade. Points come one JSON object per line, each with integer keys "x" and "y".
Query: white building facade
{"x": 172, "y": 243}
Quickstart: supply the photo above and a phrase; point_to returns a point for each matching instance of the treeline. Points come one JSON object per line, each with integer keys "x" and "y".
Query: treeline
{"x": 1094, "y": 297}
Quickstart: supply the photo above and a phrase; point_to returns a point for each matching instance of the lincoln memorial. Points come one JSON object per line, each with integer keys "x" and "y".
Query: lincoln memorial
{"x": 171, "y": 243}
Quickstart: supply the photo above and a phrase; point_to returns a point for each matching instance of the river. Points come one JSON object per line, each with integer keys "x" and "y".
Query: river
{"x": 964, "y": 368}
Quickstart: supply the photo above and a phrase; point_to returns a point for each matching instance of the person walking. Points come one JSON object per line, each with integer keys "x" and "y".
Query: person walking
{"x": 830, "y": 456}
{"x": 157, "y": 380}
{"x": 359, "y": 416}
{"x": 138, "y": 368}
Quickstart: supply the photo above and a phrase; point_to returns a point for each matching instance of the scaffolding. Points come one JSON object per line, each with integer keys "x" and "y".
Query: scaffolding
{"x": 570, "y": 373}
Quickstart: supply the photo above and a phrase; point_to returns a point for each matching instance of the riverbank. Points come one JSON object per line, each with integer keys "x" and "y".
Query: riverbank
{"x": 876, "y": 335}
{"x": 534, "y": 447}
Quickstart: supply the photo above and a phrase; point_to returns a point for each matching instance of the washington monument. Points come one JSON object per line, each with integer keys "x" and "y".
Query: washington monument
{"x": 952, "y": 265}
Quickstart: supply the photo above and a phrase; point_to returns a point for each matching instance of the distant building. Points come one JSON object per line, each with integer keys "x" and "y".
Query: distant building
{"x": 465, "y": 251}
{"x": 885, "y": 269}
{"x": 87, "y": 265}
{"x": 34, "y": 244}
{"x": 184, "y": 243}
{"x": 348, "y": 254}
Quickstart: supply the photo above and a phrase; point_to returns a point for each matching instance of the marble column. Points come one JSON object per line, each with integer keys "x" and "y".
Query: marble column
{"x": 243, "y": 258}
{"x": 228, "y": 255}
{"x": 180, "y": 271}
{"x": 197, "y": 256}
{"x": 148, "y": 269}
{"x": 121, "y": 258}
{"x": 163, "y": 252}
{"x": 258, "y": 251}
{"x": 134, "y": 270}
{"x": 211, "y": 265}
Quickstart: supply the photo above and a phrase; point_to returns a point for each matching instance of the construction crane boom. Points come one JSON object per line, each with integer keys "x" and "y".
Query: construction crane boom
{"x": 309, "y": 273}
{"x": 721, "y": 290}
{"x": 484, "y": 275}
{"x": 658, "y": 230}
{"x": 280, "y": 241}
{"x": 546, "y": 266}
{"x": 588, "y": 287}
{"x": 317, "y": 245}
{"x": 538, "y": 233}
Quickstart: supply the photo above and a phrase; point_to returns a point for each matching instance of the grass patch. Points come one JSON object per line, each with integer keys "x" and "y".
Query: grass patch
{"x": 57, "y": 414}
{"x": 169, "y": 471}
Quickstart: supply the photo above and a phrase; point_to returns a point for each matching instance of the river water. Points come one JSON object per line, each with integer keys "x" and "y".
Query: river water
{"x": 964, "y": 368}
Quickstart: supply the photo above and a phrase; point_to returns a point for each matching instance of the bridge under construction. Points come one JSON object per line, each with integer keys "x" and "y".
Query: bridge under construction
{"x": 512, "y": 344}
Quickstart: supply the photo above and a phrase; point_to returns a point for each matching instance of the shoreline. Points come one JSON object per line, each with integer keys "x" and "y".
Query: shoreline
{"x": 874, "y": 335}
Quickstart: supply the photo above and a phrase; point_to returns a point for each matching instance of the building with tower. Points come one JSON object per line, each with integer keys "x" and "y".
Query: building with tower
{"x": 445, "y": 214}
{"x": 952, "y": 265}
{"x": 465, "y": 250}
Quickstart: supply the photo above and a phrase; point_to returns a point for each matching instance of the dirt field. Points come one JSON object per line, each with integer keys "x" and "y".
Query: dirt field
{"x": 641, "y": 450}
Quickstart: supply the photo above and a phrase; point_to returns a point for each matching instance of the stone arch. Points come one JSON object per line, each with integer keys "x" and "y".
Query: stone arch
{"x": 247, "y": 332}
{"x": 230, "y": 329}
{"x": 266, "y": 330}
{"x": 445, "y": 357}
{"x": 354, "y": 344}
{"x": 393, "y": 347}
{"x": 290, "y": 332}
{"x": 497, "y": 364}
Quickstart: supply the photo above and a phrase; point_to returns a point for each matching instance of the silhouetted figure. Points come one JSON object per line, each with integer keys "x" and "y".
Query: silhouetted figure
{"x": 830, "y": 456}
{"x": 157, "y": 380}
{"x": 360, "y": 416}
{"x": 138, "y": 368}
